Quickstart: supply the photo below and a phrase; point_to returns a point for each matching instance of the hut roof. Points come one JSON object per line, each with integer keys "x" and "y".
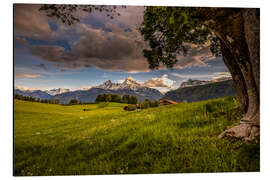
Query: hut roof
{"x": 168, "y": 101}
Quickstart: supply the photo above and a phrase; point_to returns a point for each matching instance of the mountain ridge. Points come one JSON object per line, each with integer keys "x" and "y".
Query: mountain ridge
{"x": 129, "y": 86}
{"x": 202, "y": 92}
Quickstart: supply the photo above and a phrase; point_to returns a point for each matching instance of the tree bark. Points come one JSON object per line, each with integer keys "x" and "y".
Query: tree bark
{"x": 238, "y": 31}
{"x": 237, "y": 77}
{"x": 247, "y": 57}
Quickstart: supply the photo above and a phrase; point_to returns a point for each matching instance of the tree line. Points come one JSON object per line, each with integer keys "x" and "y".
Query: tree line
{"x": 48, "y": 101}
{"x": 128, "y": 99}
{"x": 32, "y": 99}
{"x": 148, "y": 103}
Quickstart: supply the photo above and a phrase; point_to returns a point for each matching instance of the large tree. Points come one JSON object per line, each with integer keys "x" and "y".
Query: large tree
{"x": 232, "y": 32}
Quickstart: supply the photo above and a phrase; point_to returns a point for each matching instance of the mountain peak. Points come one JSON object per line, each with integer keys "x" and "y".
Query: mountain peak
{"x": 130, "y": 81}
{"x": 108, "y": 82}
{"x": 130, "y": 78}
{"x": 57, "y": 91}
{"x": 106, "y": 85}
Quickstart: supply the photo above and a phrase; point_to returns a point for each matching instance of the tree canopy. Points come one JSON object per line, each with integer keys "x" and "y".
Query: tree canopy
{"x": 67, "y": 12}
{"x": 170, "y": 31}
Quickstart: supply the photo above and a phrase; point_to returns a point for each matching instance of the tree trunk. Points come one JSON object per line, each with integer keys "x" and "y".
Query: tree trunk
{"x": 237, "y": 77}
{"x": 243, "y": 43}
{"x": 238, "y": 31}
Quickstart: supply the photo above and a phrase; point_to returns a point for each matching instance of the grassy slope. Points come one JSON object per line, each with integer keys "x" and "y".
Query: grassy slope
{"x": 63, "y": 140}
{"x": 202, "y": 92}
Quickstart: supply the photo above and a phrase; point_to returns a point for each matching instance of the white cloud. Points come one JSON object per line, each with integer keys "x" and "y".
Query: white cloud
{"x": 221, "y": 75}
{"x": 22, "y": 88}
{"x": 202, "y": 76}
{"x": 164, "y": 81}
{"x": 192, "y": 76}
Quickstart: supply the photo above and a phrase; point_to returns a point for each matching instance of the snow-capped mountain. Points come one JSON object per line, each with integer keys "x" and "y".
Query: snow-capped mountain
{"x": 129, "y": 86}
{"x": 57, "y": 91}
{"x": 129, "y": 83}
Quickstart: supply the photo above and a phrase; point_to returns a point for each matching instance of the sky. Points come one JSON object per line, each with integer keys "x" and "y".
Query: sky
{"x": 49, "y": 54}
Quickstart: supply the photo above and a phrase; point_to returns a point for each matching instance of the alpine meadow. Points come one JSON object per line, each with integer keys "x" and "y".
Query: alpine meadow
{"x": 104, "y": 90}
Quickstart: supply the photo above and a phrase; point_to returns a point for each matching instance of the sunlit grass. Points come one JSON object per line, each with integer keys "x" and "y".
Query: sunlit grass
{"x": 65, "y": 140}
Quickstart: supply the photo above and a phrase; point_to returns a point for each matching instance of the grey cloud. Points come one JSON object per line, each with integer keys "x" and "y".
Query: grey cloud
{"x": 21, "y": 40}
{"x": 116, "y": 50}
{"x": 28, "y": 21}
{"x": 42, "y": 66}
{"x": 52, "y": 53}
{"x": 131, "y": 15}
{"x": 105, "y": 50}
{"x": 197, "y": 56}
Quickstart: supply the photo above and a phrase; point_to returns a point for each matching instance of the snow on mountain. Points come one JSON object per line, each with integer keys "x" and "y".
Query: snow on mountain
{"x": 129, "y": 86}
{"x": 129, "y": 83}
{"x": 57, "y": 91}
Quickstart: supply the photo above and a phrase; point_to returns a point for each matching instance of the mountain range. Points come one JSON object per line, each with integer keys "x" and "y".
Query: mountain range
{"x": 57, "y": 91}
{"x": 129, "y": 86}
{"x": 33, "y": 93}
{"x": 191, "y": 90}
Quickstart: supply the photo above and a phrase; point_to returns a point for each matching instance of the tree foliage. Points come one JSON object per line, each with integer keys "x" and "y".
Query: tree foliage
{"x": 73, "y": 101}
{"x": 128, "y": 99}
{"x": 68, "y": 13}
{"x": 125, "y": 98}
{"x": 32, "y": 99}
{"x": 148, "y": 103}
{"x": 116, "y": 98}
{"x": 170, "y": 31}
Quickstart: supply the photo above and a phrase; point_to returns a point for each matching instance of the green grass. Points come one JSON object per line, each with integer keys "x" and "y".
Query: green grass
{"x": 65, "y": 140}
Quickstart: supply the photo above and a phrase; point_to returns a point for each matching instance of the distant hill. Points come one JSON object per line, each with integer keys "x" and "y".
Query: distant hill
{"x": 202, "y": 92}
{"x": 35, "y": 94}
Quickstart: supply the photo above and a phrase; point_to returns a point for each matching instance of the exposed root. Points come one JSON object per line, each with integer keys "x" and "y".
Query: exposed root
{"x": 244, "y": 131}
